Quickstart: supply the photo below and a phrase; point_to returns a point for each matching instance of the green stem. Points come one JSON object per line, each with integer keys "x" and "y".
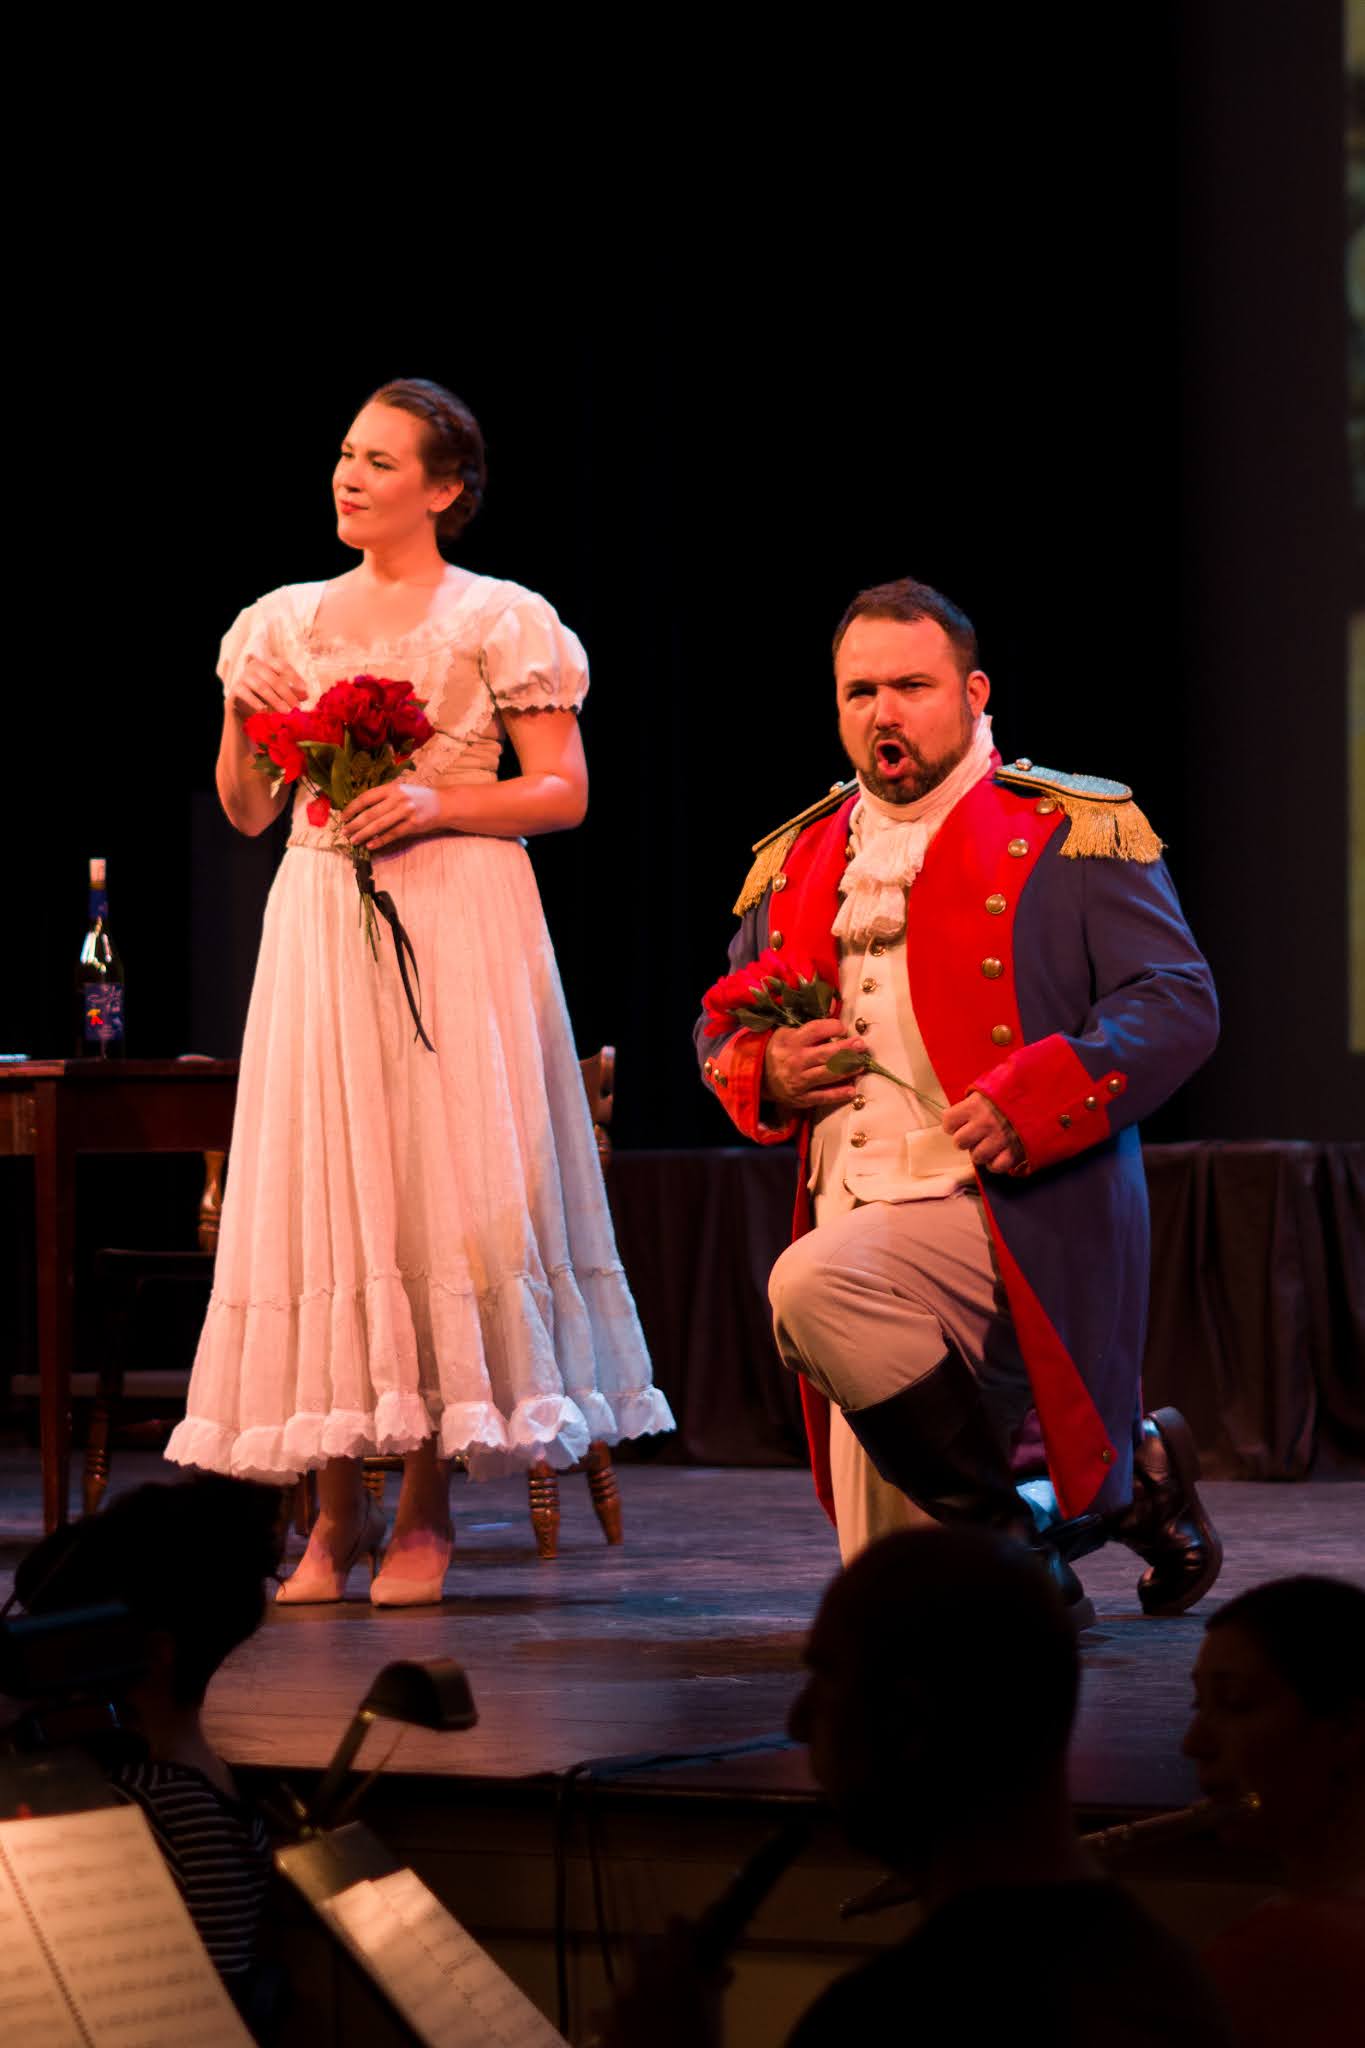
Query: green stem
{"x": 851, "y": 1062}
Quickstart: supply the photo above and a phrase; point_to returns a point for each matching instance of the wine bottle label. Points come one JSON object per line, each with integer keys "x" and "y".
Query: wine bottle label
{"x": 102, "y": 1007}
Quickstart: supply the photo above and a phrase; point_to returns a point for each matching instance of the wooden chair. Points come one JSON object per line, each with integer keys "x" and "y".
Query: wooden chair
{"x": 125, "y": 1273}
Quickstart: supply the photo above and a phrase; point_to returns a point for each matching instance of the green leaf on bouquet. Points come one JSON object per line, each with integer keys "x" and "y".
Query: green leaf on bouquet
{"x": 360, "y": 769}
{"x": 320, "y": 750}
{"x": 341, "y": 788}
{"x": 811, "y": 999}
{"x": 383, "y": 763}
{"x": 755, "y": 1020}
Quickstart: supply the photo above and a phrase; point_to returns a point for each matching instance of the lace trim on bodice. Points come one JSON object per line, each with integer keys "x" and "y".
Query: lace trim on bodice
{"x": 467, "y": 745}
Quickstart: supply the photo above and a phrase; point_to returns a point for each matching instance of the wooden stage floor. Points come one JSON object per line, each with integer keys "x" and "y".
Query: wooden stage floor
{"x": 684, "y": 1646}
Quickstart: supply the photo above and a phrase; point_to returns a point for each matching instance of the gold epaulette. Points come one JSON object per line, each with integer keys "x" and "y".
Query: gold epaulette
{"x": 1105, "y": 822}
{"x": 772, "y": 850}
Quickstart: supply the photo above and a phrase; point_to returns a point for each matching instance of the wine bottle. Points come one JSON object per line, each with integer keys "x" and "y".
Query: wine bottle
{"x": 99, "y": 981}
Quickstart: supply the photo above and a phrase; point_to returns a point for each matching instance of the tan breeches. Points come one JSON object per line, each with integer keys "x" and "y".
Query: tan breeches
{"x": 868, "y": 1302}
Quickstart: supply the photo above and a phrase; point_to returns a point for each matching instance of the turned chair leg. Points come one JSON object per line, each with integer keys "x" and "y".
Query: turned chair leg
{"x": 96, "y": 1455}
{"x": 543, "y": 1485}
{"x": 606, "y": 1494}
{"x": 303, "y": 1496}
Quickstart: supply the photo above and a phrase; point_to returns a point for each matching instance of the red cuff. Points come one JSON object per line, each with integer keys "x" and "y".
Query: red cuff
{"x": 1055, "y": 1105}
{"x": 735, "y": 1076}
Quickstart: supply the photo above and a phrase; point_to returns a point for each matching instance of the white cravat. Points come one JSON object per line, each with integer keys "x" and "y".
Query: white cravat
{"x": 890, "y": 842}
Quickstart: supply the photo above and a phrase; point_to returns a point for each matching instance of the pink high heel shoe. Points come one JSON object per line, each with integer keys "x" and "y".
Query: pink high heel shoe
{"x": 310, "y": 1588}
{"x": 393, "y": 1589}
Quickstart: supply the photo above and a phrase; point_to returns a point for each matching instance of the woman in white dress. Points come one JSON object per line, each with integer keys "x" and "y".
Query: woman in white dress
{"x": 416, "y": 1255}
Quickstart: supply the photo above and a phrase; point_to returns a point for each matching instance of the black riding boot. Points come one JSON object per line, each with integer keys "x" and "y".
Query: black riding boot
{"x": 934, "y": 1441}
{"x": 1166, "y": 1523}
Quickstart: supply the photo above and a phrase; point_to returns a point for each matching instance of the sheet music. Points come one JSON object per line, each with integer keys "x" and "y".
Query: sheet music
{"x": 447, "y": 1987}
{"x": 118, "y": 1933}
{"x": 30, "y": 1997}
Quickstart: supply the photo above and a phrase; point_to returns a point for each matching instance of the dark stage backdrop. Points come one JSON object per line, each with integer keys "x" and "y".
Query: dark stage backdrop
{"x": 1092, "y": 387}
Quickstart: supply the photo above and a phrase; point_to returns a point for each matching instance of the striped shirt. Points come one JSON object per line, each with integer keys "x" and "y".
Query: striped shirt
{"x": 217, "y": 1851}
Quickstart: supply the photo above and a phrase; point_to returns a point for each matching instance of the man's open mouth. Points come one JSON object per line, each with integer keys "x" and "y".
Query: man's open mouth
{"x": 890, "y": 755}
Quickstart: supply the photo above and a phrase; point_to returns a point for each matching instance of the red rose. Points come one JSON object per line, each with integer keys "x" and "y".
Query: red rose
{"x": 409, "y": 726}
{"x": 324, "y": 725}
{"x": 269, "y": 733}
{"x": 748, "y": 989}
{"x": 320, "y": 810}
{"x": 342, "y": 702}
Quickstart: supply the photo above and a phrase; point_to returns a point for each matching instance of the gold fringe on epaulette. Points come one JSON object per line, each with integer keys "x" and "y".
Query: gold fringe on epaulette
{"x": 767, "y": 866}
{"x": 1105, "y": 831}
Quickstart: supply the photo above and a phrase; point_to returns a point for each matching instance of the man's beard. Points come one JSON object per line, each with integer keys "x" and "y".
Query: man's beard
{"x": 921, "y": 776}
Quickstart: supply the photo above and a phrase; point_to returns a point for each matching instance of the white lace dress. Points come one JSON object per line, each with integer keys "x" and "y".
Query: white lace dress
{"x": 415, "y": 1242}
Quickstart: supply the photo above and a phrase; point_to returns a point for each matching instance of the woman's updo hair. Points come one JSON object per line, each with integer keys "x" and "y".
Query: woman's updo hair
{"x": 452, "y": 444}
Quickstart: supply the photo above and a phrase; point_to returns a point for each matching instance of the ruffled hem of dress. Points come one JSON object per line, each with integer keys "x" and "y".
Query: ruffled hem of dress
{"x": 556, "y": 1428}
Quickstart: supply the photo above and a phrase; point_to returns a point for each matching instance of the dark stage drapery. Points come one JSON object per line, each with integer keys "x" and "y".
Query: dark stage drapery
{"x": 1256, "y": 1330}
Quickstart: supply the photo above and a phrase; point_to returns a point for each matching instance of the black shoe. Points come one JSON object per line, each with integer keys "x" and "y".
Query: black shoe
{"x": 1166, "y": 1522}
{"x": 934, "y": 1441}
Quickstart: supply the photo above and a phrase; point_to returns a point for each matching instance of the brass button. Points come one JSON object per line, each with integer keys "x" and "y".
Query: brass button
{"x": 996, "y": 904}
{"x": 1018, "y": 847}
{"x": 1106, "y": 1456}
{"x": 722, "y": 1080}
{"x": 779, "y": 884}
{"x": 776, "y": 941}
{"x": 1024, "y": 763}
{"x": 1065, "y": 1121}
{"x": 1115, "y": 1085}
{"x": 1001, "y": 1034}
{"x": 1092, "y": 1102}
{"x": 709, "y": 1068}
{"x": 869, "y": 985}
{"x": 860, "y": 1102}
{"x": 858, "y": 1138}
{"x": 860, "y": 1025}
{"x": 1045, "y": 805}
{"x": 877, "y": 948}
{"x": 992, "y": 968}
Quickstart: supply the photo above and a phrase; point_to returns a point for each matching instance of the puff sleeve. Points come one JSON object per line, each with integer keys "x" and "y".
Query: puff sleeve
{"x": 248, "y": 634}
{"x": 532, "y": 661}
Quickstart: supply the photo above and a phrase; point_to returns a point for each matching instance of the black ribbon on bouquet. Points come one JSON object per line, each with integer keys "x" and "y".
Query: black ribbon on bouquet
{"x": 402, "y": 944}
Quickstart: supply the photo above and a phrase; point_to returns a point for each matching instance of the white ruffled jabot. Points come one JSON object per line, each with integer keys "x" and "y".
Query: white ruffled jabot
{"x": 890, "y": 842}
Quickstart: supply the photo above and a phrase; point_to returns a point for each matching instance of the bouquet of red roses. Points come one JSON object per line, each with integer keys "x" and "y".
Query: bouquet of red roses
{"x": 780, "y": 990}
{"x": 358, "y": 736}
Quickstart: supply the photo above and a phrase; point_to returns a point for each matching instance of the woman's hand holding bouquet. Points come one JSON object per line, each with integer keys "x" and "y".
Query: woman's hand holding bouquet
{"x": 349, "y": 748}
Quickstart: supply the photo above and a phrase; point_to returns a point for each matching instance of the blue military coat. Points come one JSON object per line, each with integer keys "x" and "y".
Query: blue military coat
{"x": 1070, "y": 991}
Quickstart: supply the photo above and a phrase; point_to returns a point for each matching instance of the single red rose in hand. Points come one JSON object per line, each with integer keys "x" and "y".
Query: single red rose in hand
{"x": 320, "y": 810}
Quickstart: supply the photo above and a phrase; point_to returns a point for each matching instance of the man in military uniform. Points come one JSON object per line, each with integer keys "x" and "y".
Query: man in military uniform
{"x": 971, "y": 1240}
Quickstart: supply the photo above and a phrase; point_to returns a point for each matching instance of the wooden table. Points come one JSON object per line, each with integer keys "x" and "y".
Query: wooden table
{"x": 50, "y": 1110}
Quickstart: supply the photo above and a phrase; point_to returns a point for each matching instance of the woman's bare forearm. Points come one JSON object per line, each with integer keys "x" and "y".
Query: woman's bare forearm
{"x": 247, "y": 798}
{"x": 521, "y": 807}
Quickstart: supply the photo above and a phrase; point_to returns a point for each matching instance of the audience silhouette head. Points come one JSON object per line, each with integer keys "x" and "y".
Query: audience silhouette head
{"x": 942, "y": 1684}
{"x": 188, "y": 1560}
{"x": 1280, "y": 1710}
